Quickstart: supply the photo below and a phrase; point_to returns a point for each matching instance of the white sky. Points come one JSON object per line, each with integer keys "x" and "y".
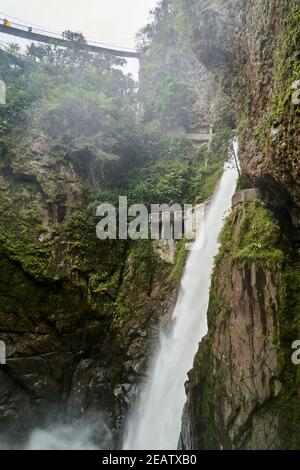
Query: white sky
{"x": 115, "y": 21}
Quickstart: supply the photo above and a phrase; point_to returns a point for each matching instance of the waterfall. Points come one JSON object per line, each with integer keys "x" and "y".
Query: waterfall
{"x": 156, "y": 419}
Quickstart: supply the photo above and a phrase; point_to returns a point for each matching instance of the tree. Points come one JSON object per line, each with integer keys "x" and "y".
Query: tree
{"x": 174, "y": 103}
{"x": 74, "y": 37}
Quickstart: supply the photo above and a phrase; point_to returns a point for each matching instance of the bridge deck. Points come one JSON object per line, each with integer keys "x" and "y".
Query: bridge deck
{"x": 65, "y": 43}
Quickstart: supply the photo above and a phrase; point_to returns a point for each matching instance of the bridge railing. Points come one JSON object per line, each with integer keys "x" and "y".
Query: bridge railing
{"x": 168, "y": 222}
{"x": 35, "y": 33}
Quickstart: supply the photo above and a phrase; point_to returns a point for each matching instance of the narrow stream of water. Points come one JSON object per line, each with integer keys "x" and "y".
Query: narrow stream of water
{"x": 156, "y": 418}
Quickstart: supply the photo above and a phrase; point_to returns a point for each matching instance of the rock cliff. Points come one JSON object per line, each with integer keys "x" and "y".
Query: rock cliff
{"x": 252, "y": 49}
{"x": 243, "y": 390}
{"x": 78, "y": 315}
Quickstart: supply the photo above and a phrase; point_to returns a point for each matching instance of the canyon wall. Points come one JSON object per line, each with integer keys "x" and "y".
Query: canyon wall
{"x": 78, "y": 315}
{"x": 243, "y": 390}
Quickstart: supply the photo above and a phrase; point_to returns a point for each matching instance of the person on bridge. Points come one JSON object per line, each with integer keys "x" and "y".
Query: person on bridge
{"x": 6, "y": 22}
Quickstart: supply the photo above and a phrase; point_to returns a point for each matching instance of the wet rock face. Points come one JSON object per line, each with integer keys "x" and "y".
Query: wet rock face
{"x": 171, "y": 55}
{"x": 64, "y": 361}
{"x": 251, "y": 49}
{"x": 245, "y": 363}
{"x": 215, "y": 24}
{"x": 211, "y": 35}
{"x": 243, "y": 390}
{"x": 236, "y": 368}
{"x": 227, "y": 35}
{"x": 77, "y": 315}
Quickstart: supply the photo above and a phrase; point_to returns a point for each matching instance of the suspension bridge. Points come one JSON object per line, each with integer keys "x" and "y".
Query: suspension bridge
{"x": 26, "y": 31}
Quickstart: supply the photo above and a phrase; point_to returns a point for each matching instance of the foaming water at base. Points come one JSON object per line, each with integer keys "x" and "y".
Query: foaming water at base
{"x": 63, "y": 437}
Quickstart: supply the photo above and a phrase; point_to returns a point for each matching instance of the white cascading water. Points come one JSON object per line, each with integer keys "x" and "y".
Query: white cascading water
{"x": 156, "y": 420}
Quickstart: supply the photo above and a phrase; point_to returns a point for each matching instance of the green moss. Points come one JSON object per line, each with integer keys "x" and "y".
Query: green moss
{"x": 27, "y": 301}
{"x": 289, "y": 331}
{"x": 140, "y": 265}
{"x": 202, "y": 397}
{"x": 290, "y": 305}
{"x": 254, "y": 253}
{"x": 205, "y": 181}
{"x": 217, "y": 303}
{"x": 180, "y": 260}
{"x": 254, "y": 237}
{"x": 286, "y": 71}
{"x": 124, "y": 311}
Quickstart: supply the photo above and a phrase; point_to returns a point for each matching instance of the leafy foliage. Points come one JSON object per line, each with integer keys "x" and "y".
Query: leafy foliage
{"x": 174, "y": 103}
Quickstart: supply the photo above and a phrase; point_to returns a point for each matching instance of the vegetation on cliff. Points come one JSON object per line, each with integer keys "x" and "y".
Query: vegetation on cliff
{"x": 176, "y": 90}
{"x": 248, "y": 396}
{"x": 70, "y": 139}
